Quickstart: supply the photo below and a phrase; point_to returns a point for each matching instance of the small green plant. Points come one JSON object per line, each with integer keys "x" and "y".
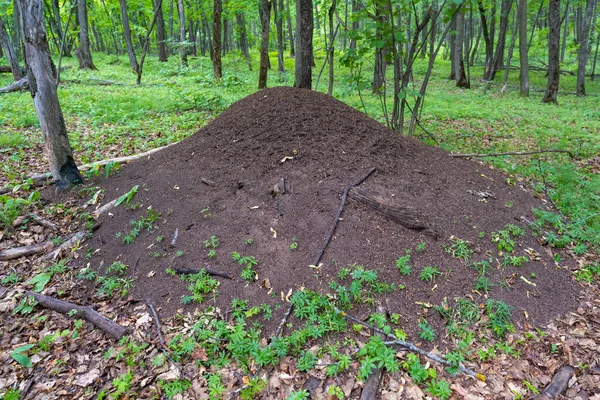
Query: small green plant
{"x": 11, "y": 279}
{"x": 212, "y": 242}
{"x": 306, "y": 361}
{"x": 200, "y": 285}
{"x": 439, "y": 389}
{"x": 302, "y": 394}
{"x": 160, "y": 238}
{"x": 504, "y": 239}
{"x": 212, "y": 253}
{"x": 127, "y": 197}
{"x": 421, "y": 247}
{"x": 109, "y": 285}
{"x": 514, "y": 261}
{"x": 483, "y": 284}
{"x": 426, "y": 331}
{"x": 459, "y": 248}
{"x": 117, "y": 268}
{"x": 589, "y": 273}
{"x": 249, "y": 241}
{"x": 481, "y": 235}
{"x": 137, "y": 225}
{"x": 179, "y": 253}
{"x": 215, "y": 386}
{"x": 15, "y": 394}
{"x": 176, "y": 387}
{"x": 429, "y": 274}
{"x": 248, "y": 262}
{"x": 499, "y": 317}
{"x": 402, "y": 263}
{"x": 20, "y": 355}
{"x": 294, "y": 244}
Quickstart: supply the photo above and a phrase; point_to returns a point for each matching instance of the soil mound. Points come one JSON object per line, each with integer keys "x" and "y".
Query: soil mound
{"x": 226, "y": 181}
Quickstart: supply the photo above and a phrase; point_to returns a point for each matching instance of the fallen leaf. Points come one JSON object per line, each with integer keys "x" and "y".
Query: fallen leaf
{"x": 87, "y": 379}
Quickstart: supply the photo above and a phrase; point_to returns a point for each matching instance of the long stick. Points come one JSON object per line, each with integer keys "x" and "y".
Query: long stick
{"x": 339, "y": 213}
{"x": 105, "y": 324}
{"x": 191, "y": 271}
{"x": 514, "y": 153}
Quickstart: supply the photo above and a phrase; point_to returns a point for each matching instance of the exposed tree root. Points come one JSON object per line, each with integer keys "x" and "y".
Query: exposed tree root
{"x": 108, "y": 326}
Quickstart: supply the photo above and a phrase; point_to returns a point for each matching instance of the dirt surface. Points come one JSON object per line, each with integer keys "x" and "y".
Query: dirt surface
{"x": 318, "y": 146}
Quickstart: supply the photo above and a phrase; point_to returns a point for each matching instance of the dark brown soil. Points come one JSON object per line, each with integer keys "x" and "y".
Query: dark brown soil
{"x": 242, "y": 153}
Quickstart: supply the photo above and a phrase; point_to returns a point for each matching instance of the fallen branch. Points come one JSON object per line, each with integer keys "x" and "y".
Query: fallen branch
{"x": 409, "y": 346}
{"x": 283, "y": 321}
{"x": 405, "y": 216}
{"x": 22, "y": 85}
{"x": 74, "y": 240}
{"x": 514, "y": 153}
{"x": 101, "y": 210}
{"x": 191, "y": 271}
{"x": 339, "y": 213}
{"x": 43, "y": 222}
{"x": 25, "y": 251}
{"x": 161, "y": 339}
{"x": 110, "y": 327}
{"x": 175, "y": 237}
{"x": 42, "y": 179}
{"x": 559, "y": 383}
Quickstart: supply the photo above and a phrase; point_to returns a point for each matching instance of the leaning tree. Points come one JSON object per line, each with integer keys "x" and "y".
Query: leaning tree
{"x": 41, "y": 75}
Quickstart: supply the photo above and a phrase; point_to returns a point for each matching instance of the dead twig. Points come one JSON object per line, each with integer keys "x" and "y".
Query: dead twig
{"x": 175, "y": 237}
{"x": 22, "y": 85}
{"x": 108, "y": 326}
{"x": 191, "y": 271}
{"x": 514, "y": 153}
{"x": 161, "y": 339}
{"x": 74, "y": 240}
{"x": 409, "y": 346}
{"x": 339, "y": 213}
{"x": 25, "y": 251}
{"x": 283, "y": 321}
{"x": 103, "y": 209}
{"x": 43, "y": 221}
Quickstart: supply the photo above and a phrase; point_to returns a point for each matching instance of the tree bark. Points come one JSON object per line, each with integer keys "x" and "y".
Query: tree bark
{"x": 304, "y": 48}
{"x": 264, "y": 42}
{"x": 488, "y": 73}
{"x": 278, "y": 15}
{"x": 66, "y": 51}
{"x": 355, "y": 22}
{"x": 459, "y": 73}
{"x": 161, "y": 35}
{"x": 243, "y": 37}
{"x": 504, "y": 16}
{"x": 17, "y": 30}
{"x": 331, "y": 46}
{"x": 288, "y": 16}
{"x": 182, "y": 47}
{"x": 216, "y": 44}
{"x": 133, "y": 63}
{"x": 565, "y": 23}
{"x": 9, "y": 50}
{"x": 41, "y": 75}
{"x": 381, "y": 21}
{"x": 84, "y": 54}
{"x": 553, "y": 52}
{"x": 207, "y": 28}
{"x": 523, "y": 48}
{"x": 584, "y": 48}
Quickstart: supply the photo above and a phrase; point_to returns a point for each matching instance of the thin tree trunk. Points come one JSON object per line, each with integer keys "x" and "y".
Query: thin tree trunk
{"x": 331, "y": 46}
{"x": 288, "y": 16}
{"x": 511, "y": 48}
{"x": 553, "y": 52}
{"x": 225, "y": 46}
{"x": 459, "y": 73}
{"x": 133, "y": 63}
{"x": 16, "y": 30}
{"x": 264, "y": 42}
{"x": 504, "y": 16}
{"x": 161, "y": 35}
{"x": 207, "y": 29}
{"x": 433, "y": 28}
{"x": 9, "y": 50}
{"x": 193, "y": 37}
{"x": 355, "y": 22}
{"x": 84, "y": 55}
{"x": 114, "y": 29}
{"x": 523, "y": 48}
{"x": 66, "y": 50}
{"x": 584, "y": 48}
{"x": 452, "y": 48}
{"x": 243, "y": 38}
{"x": 278, "y": 15}
{"x": 216, "y": 44}
{"x": 171, "y": 21}
{"x": 182, "y": 44}
{"x": 42, "y": 83}
{"x": 381, "y": 21}
{"x": 565, "y": 23}
{"x": 488, "y": 73}
{"x": 304, "y": 48}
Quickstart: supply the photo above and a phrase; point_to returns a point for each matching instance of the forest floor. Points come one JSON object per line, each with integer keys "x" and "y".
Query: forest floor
{"x": 450, "y": 248}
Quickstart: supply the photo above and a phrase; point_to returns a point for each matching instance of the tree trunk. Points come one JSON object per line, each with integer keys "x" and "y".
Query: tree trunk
{"x": 488, "y": 73}
{"x": 66, "y": 51}
{"x": 584, "y": 48}
{"x": 161, "y": 35}
{"x": 288, "y": 16}
{"x": 523, "y": 48}
{"x": 206, "y": 27}
{"x": 171, "y": 22}
{"x": 355, "y": 22}
{"x": 433, "y": 28}
{"x": 17, "y": 31}
{"x": 9, "y": 50}
{"x": 225, "y": 47}
{"x": 381, "y": 21}
{"x": 459, "y": 73}
{"x": 133, "y": 63}
{"x": 452, "y": 48}
{"x": 278, "y": 15}
{"x": 243, "y": 39}
{"x": 182, "y": 44}
{"x": 216, "y": 45}
{"x": 304, "y": 48}
{"x": 563, "y": 47}
{"x": 553, "y": 52}
{"x": 41, "y": 75}
{"x": 112, "y": 33}
{"x": 264, "y": 42}
{"x": 193, "y": 37}
{"x": 504, "y": 15}
{"x": 331, "y": 46}
{"x": 84, "y": 54}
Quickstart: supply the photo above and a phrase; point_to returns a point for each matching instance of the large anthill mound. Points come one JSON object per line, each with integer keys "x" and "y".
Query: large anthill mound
{"x": 220, "y": 182}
